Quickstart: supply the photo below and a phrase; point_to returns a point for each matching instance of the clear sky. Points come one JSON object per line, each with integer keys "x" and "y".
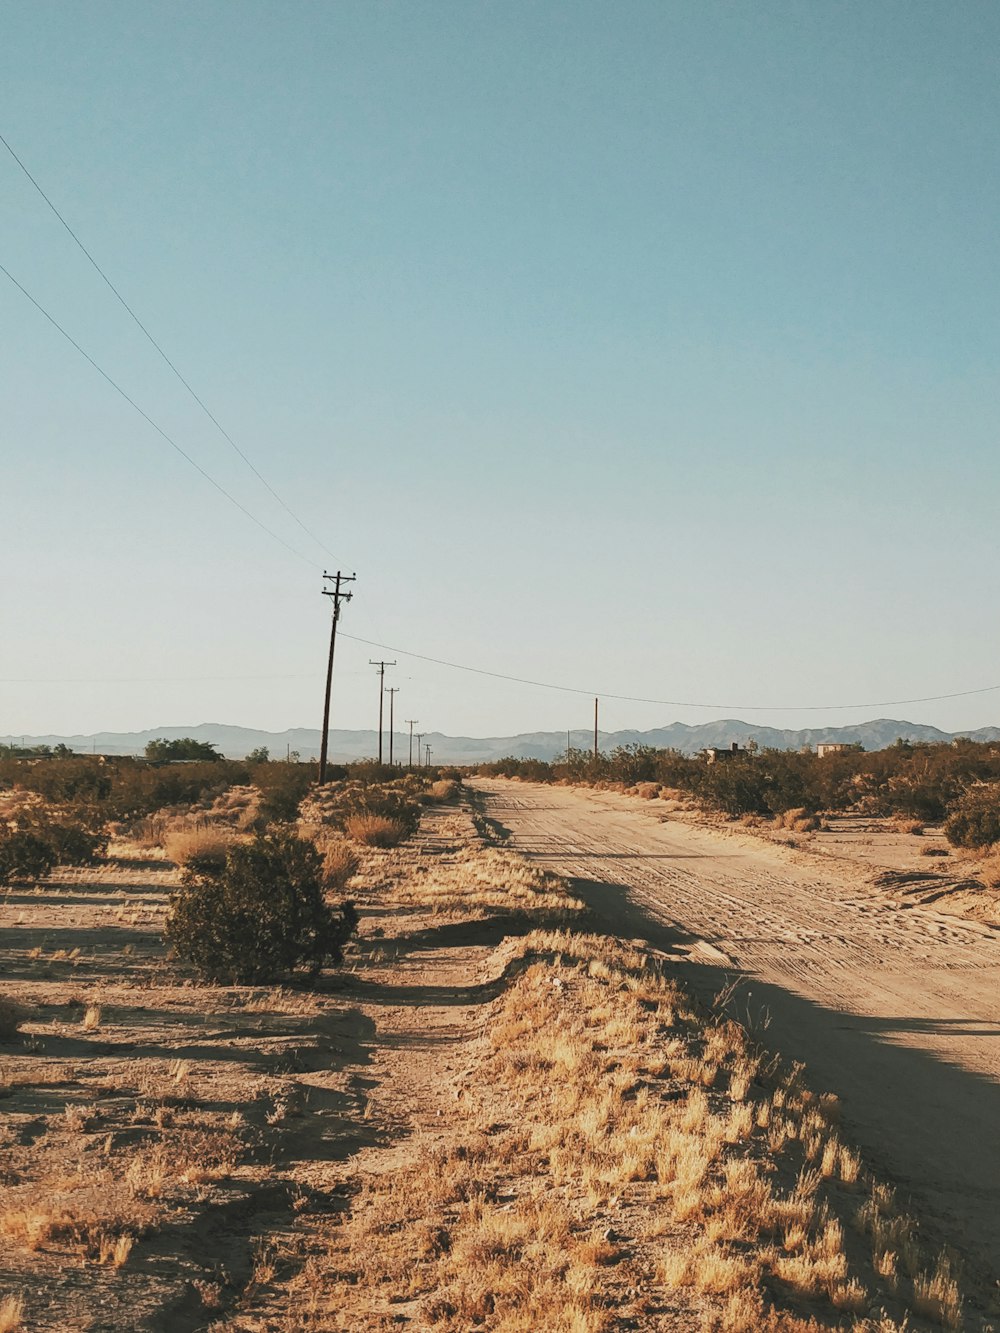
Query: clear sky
{"x": 649, "y": 348}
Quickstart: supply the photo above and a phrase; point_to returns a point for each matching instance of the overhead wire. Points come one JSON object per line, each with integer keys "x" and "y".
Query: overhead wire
{"x": 153, "y": 342}
{"x": 456, "y": 666}
{"x": 666, "y": 703}
{"x": 159, "y": 429}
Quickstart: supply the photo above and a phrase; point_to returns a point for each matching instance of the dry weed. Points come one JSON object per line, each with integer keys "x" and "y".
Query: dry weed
{"x": 375, "y": 830}
{"x": 11, "y": 1314}
{"x": 185, "y": 844}
{"x": 340, "y": 864}
{"x": 913, "y": 826}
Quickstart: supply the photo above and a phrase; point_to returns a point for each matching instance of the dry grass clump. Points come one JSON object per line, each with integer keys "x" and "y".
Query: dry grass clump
{"x": 621, "y": 1101}
{"x": 375, "y": 830}
{"x": 11, "y": 1314}
{"x": 12, "y": 1015}
{"x": 445, "y": 789}
{"x": 187, "y": 844}
{"x": 800, "y": 820}
{"x": 936, "y": 1295}
{"x": 914, "y": 826}
{"x": 340, "y": 864}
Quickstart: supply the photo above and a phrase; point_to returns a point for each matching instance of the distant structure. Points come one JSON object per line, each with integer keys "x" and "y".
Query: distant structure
{"x": 715, "y": 754}
{"x": 835, "y": 747}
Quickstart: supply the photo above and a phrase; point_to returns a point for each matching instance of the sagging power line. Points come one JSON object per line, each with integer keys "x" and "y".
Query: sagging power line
{"x": 159, "y": 350}
{"x": 670, "y": 703}
{"x": 147, "y": 418}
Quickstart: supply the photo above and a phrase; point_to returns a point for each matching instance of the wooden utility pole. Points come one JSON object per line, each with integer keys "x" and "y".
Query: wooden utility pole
{"x": 381, "y": 700}
{"x": 411, "y": 722}
{"x": 338, "y": 596}
{"x": 595, "y": 732}
{"x": 427, "y": 752}
{"x": 391, "y": 692}
{"x": 420, "y": 737}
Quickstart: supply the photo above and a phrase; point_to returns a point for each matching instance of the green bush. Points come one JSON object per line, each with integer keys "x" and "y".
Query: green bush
{"x": 282, "y": 787}
{"x": 974, "y": 819}
{"x": 74, "y": 845}
{"x": 163, "y": 751}
{"x": 260, "y": 915}
{"x": 25, "y": 855}
{"x": 736, "y": 787}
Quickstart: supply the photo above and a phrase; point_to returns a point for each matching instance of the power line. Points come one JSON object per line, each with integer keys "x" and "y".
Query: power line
{"x": 146, "y": 417}
{"x": 145, "y": 680}
{"x": 670, "y": 703}
{"x": 149, "y": 337}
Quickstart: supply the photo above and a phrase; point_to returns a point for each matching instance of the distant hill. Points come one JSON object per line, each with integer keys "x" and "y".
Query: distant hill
{"x": 236, "y": 742}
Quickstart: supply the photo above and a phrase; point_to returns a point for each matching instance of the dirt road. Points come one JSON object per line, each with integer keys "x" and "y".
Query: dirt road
{"x": 895, "y": 1008}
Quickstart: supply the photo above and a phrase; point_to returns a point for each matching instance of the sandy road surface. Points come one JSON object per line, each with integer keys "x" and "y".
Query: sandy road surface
{"x": 895, "y": 1008}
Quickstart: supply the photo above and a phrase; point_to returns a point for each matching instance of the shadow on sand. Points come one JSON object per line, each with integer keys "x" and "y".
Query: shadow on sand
{"x": 929, "y": 1125}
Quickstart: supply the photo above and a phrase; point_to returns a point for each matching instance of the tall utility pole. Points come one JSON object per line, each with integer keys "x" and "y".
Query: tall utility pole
{"x": 411, "y": 722}
{"x": 381, "y": 700}
{"x": 420, "y": 738}
{"x": 391, "y": 692}
{"x": 338, "y": 595}
{"x": 427, "y": 752}
{"x": 595, "y": 731}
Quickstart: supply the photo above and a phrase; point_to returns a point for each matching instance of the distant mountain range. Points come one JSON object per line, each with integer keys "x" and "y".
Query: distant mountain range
{"x": 236, "y": 742}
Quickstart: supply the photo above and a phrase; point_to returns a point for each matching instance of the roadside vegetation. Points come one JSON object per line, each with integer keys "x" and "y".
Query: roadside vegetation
{"x": 956, "y": 783}
{"x": 265, "y": 1064}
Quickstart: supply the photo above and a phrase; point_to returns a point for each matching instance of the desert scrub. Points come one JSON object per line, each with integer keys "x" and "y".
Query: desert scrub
{"x": 260, "y": 915}
{"x": 25, "y": 855}
{"x": 974, "y": 819}
{"x": 375, "y": 830}
{"x": 337, "y": 803}
{"x": 198, "y": 846}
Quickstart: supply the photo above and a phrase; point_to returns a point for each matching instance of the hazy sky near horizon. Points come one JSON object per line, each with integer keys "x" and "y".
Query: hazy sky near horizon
{"x": 648, "y": 348}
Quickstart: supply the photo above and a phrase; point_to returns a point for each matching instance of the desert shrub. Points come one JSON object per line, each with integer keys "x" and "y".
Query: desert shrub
{"x": 261, "y": 915}
{"x": 736, "y": 787}
{"x": 205, "y": 846}
{"x": 186, "y": 748}
{"x": 445, "y": 789}
{"x": 25, "y": 855}
{"x": 340, "y": 864}
{"x": 75, "y": 845}
{"x": 282, "y": 787}
{"x": 375, "y": 830}
{"x": 396, "y": 803}
{"x": 12, "y": 1015}
{"x": 974, "y": 819}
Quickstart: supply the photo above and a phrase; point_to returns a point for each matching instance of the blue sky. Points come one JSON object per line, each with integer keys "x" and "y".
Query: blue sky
{"x": 648, "y": 347}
